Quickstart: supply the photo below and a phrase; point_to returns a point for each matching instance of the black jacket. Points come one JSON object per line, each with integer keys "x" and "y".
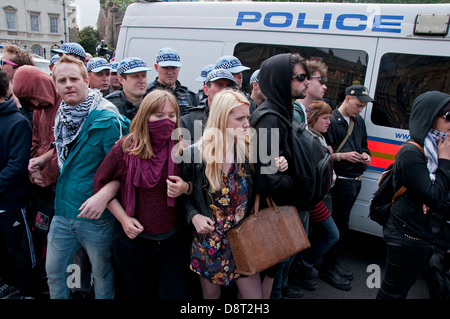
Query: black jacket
{"x": 126, "y": 108}
{"x": 410, "y": 170}
{"x": 15, "y": 146}
{"x": 275, "y": 82}
{"x": 357, "y": 141}
{"x": 194, "y": 171}
{"x": 194, "y": 120}
{"x": 184, "y": 96}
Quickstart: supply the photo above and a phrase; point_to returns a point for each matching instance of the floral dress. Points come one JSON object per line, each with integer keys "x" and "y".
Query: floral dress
{"x": 211, "y": 256}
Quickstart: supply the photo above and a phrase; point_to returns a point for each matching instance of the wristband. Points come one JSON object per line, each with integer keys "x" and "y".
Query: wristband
{"x": 338, "y": 157}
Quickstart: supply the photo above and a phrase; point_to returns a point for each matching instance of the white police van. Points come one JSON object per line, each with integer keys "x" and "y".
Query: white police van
{"x": 398, "y": 51}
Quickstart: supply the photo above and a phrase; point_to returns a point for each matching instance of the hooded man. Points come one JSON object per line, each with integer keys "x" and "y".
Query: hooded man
{"x": 35, "y": 89}
{"x": 283, "y": 79}
{"x": 418, "y": 225}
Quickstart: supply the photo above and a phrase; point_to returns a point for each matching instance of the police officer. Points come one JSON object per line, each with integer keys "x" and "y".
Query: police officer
{"x": 216, "y": 81}
{"x": 168, "y": 66}
{"x": 133, "y": 77}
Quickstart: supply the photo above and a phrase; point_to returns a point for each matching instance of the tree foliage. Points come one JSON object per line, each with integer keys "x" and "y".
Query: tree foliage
{"x": 88, "y": 39}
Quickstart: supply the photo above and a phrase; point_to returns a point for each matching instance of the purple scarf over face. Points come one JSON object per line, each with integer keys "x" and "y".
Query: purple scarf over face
{"x": 146, "y": 173}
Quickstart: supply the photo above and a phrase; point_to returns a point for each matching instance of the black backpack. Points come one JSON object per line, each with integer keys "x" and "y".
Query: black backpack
{"x": 313, "y": 164}
{"x": 383, "y": 198}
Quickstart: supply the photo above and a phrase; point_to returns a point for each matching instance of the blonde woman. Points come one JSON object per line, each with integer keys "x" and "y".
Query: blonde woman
{"x": 222, "y": 195}
{"x": 148, "y": 244}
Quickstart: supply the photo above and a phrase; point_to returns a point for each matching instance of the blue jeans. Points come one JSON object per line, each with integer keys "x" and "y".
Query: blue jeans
{"x": 343, "y": 197}
{"x": 282, "y": 272}
{"x": 323, "y": 235}
{"x": 65, "y": 237}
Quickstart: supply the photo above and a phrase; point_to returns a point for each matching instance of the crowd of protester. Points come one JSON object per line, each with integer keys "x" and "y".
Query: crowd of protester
{"x": 116, "y": 186}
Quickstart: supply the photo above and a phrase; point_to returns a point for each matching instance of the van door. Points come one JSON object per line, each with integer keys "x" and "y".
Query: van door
{"x": 404, "y": 69}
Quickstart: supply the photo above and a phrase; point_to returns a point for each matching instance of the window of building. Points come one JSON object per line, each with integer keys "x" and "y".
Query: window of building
{"x": 53, "y": 24}
{"x": 36, "y": 49}
{"x": 34, "y": 22}
{"x": 402, "y": 78}
{"x": 11, "y": 20}
{"x": 345, "y": 67}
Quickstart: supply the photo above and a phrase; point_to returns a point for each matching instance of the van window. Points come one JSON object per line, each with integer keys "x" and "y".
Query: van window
{"x": 402, "y": 78}
{"x": 345, "y": 67}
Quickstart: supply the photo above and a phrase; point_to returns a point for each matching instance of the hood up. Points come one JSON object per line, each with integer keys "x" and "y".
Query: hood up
{"x": 33, "y": 83}
{"x": 275, "y": 82}
{"x": 425, "y": 109}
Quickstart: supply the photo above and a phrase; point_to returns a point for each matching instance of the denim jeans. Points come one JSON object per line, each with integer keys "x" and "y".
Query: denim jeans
{"x": 65, "y": 237}
{"x": 323, "y": 235}
{"x": 281, "y": 276}
{"x": 343, "y": 197}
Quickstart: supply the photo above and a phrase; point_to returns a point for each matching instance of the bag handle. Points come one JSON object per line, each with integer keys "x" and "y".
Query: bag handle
{"x": 349, "y": 132}
{"x": 270, "y": 204}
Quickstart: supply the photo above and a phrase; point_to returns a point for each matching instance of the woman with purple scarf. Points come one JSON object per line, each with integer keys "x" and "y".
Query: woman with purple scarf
{"x": 149, "y": 244}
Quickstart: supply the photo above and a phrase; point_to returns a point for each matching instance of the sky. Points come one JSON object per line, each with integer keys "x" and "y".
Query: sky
{"x": 87, "y": 13}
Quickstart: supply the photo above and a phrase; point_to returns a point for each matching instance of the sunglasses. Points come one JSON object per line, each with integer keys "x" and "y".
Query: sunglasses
{"x": 319, "y": 78}
{"x": 300, "y": 77}
{"x": 2, "y": 63}
{"x": 446, "y": 116}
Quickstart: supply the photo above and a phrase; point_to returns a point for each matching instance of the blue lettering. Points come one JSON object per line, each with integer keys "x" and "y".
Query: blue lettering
{"x": 289, "y": 17}
{"x": 378, "y": 23}
{"x": 346, "y": 22}
{"x": 256, "y": 16}
{"x": 402, "y": 136}
{"x": 301, "y": 22}
{"x": 341, "y": 19}
{"x": 326, "y": 21}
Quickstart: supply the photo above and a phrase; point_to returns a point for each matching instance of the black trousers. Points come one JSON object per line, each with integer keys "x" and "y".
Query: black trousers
{"x": 16, "y": 266}
{"x": 343, "y": 197}
{"x": 406, "y": 259}
{"x": 153, "y": 269}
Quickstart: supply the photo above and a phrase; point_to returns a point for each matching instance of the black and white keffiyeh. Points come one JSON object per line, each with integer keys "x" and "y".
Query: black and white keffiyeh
{"x": 69, "y": 121}
{"x": 430, "y": 147}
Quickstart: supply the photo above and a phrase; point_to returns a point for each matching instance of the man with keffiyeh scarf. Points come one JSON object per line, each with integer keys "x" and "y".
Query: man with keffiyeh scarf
{"x": 86, "y": 127}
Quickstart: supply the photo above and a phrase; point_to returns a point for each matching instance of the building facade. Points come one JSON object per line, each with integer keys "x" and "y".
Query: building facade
{"x": 108, "y": 23}
{"x": 38, "y": 25}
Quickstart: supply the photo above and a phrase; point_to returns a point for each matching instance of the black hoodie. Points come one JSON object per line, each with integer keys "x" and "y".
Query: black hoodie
{"x": 410, "y": 170}
{"x": 15, "y": 145}
{"x": 275, "y": 82}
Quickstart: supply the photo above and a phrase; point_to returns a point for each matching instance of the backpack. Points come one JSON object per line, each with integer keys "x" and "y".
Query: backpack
{"x": 383, "y": 198}
{"x": 312, "y": 162}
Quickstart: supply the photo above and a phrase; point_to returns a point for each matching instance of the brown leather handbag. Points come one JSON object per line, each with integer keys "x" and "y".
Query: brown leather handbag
{"x": 267, "y": 237}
